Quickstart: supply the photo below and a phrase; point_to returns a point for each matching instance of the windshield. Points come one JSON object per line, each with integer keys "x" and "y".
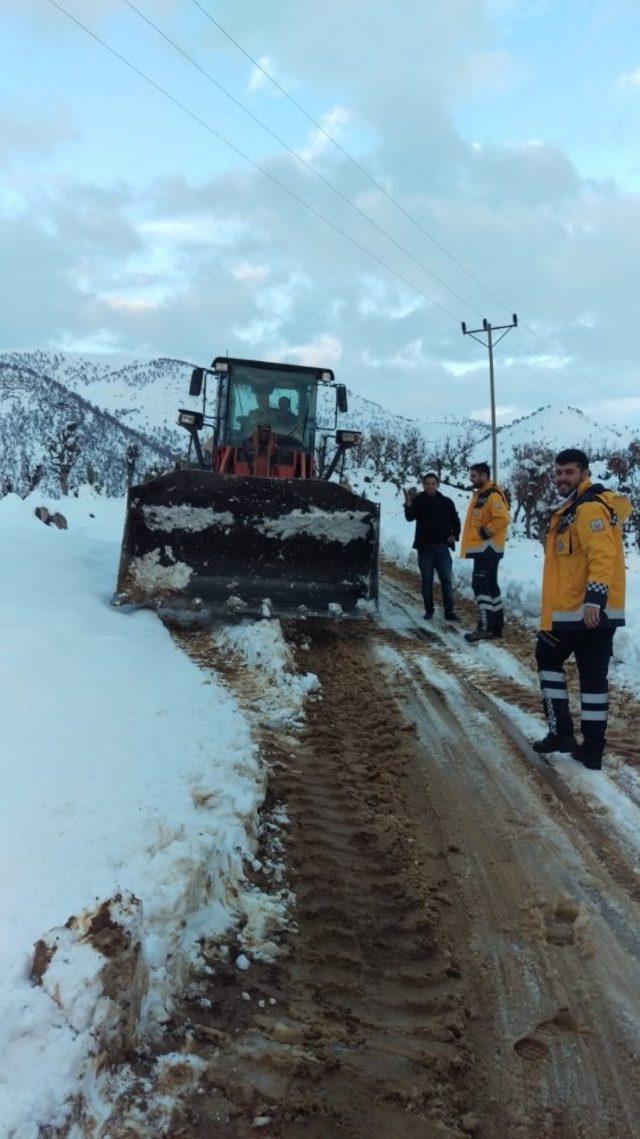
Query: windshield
{"x": 283, "y": 401}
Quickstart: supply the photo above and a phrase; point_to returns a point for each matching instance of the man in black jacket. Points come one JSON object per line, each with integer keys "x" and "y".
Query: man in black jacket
{"x": 437, "y": 530}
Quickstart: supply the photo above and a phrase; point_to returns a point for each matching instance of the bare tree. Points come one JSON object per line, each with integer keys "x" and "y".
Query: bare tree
{"x": 64, "y": 449}
{"x": 131, "y": 456}
{"x": 31, "y": 474}
{"x": 532, "y": 486}
{"x": 624, "y": 466}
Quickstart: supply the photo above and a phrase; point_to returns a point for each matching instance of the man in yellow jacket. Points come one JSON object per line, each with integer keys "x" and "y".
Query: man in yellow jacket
{"x": 483, "y": 538}
{"x": 583, "y": 589}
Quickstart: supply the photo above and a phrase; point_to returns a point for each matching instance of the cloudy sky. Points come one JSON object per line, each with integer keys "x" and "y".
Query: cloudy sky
{"x": 500, "y": 142}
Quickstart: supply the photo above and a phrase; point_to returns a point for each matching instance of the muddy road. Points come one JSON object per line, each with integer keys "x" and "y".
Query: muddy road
{"x": 463, "y": 954}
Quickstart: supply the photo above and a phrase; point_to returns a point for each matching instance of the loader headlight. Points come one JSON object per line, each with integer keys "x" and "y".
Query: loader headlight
{"x": 327, "y": 377}
{"x": 348, "y": 438}
{"x": 189, "y": 419}
{"x": 220, "y": 365}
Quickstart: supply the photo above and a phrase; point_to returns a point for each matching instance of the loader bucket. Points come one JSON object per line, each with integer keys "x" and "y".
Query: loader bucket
{"x": 201, "y": 544}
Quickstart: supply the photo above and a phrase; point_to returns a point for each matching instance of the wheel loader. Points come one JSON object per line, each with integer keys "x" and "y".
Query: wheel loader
{"x": 251, "y": 521}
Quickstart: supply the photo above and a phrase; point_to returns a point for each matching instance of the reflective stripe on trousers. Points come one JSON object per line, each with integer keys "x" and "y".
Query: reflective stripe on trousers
{"x": 592, "y": 650}
{"x": 487, "y": 591}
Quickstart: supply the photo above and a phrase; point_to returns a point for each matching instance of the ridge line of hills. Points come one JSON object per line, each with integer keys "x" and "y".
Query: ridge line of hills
{"x": 134, "y": 403}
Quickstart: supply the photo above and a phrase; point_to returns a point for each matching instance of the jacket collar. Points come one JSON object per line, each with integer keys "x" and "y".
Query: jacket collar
{"x": 567, "y": 503}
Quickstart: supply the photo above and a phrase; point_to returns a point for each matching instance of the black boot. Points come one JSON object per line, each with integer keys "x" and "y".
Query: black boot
{"x": 553, "y": 742}
{"x": 589, "y": 754}
{"x": 478, "y": 635}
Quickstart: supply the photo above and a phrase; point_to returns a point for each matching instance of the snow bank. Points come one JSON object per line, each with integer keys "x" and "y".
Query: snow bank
{"x": 280, "y": 691}
{"x": 127, "y": 774}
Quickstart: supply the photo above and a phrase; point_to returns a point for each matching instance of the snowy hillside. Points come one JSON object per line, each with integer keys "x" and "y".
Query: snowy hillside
{"x": 144, "y": 395}
{"x": 373, "y": 418}
{"x": 120, "y": 402}
{"x": 556, "y": 427}
{"x": 35, "y": 409}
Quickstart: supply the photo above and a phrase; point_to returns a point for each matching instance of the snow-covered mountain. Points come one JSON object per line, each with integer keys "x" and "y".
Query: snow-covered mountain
{"x": 118, "y": 402}
{"x": 36, "y": 410}
{"x": 144, "y": 395}
{"x": 556, "y": 427}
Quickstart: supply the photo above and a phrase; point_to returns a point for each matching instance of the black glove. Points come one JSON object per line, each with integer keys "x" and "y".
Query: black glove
{"x": 451, "y": 541}
{"x": 484, "y": 532}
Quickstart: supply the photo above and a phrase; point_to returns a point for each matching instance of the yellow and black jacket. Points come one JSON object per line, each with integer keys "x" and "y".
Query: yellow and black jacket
{"x": 584, "y": 559}
{"x": 488, "y": 515}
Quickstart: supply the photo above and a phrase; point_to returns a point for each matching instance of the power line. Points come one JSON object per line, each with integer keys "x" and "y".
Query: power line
{"x": 354, "y": 162}
{"x": 298, "y": 157}
{"x": 256, "y": 165}
{"x": 282, "y": 142}
{"x": 267, "y": 174}
{"x": 382, "y": 189}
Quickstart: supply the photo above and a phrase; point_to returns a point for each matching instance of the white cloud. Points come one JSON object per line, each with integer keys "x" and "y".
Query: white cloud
{"x": 257, "y": 78}
{"x": 252, "y": 274}
{"x": 547, "y": 362}
{"x": 210, "y": 230}
{"x": 629, "y": 79}
{"x": 585, "y": 320}
{"x": 464, "y": 368}
{"x": 325, "y": 349}
{"x": 391, "y": 303}
{"x": 132, "y": 305}
{"x": 220, "y": 248}
{"x": 504, "y": 413}
{"x": 332, "y": 124}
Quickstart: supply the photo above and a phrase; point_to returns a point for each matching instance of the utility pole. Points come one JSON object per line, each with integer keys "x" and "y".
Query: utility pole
{"x": 489, "y": 330}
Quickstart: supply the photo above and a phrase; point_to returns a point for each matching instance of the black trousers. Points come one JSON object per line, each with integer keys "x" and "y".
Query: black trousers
{"x": 487, "y": 591}
{"x": 592, "y": 649}
{"x": 436, "y": 559}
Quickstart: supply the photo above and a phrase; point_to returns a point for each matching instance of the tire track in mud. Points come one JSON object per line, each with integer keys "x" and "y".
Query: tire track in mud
{"x": 555, "y": 945}
{"x": 519, "y": 639}
{"x": 450, "y": 968}
{"x": 590, "y": 825}
{"x": 369, "y": 1033}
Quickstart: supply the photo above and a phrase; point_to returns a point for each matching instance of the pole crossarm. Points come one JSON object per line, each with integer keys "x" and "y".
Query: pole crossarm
{"x": 475, "y": 333}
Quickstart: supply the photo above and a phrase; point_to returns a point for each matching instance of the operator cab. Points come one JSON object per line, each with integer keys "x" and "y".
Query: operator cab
{"x": 265, "y": 419}
{"x": 282, "y": 400}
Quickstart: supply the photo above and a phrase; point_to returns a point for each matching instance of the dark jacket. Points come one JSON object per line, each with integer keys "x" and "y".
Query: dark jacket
{"x": 436, "y": 519}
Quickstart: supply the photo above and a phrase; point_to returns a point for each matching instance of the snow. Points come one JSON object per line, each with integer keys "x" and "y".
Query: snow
{"x": 149, "y": 574}
{"x": 520, "y": 577}
{"x": 145, "y": 394}
{"x": 342, "y": 526}
{"x": 191, "y": 518}
{"x": 606, "y": 791}
{"x": 128, "y": 774}
{"x": 279, "y": 692}
{"x": 613, "y": 792}
{"x": 556, "y": 427}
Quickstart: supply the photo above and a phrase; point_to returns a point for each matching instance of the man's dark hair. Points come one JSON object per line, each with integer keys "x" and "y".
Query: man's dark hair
{"x": 572, "y": 455}
{"x": 481, "y": 468}
{"x": 431, "y": 475}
